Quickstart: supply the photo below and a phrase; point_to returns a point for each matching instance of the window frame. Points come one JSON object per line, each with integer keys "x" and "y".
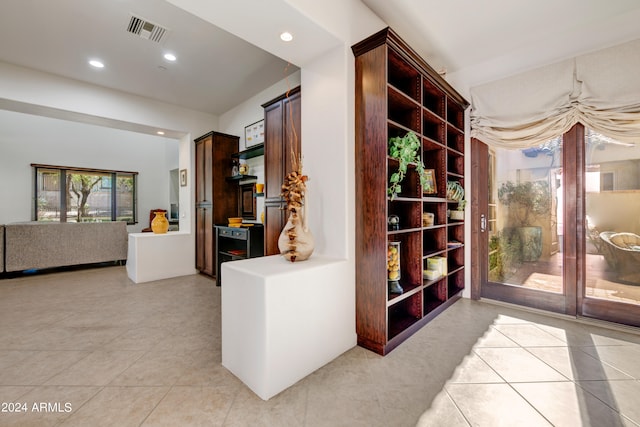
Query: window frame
{"x": 64, "y": 170}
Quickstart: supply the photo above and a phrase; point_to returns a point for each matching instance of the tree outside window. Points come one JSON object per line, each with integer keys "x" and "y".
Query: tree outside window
{"x": 84, "y": 195}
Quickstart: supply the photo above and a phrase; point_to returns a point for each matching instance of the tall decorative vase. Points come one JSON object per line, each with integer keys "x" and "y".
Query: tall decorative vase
{"x": 296, "y": 243}
{"x": 160, "y": 224}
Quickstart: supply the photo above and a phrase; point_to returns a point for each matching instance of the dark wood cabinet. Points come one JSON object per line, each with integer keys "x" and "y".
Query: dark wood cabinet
{"x": 282, "y": 145}
{"x": 398, "y": 92}
{"x": 216, "y": 199}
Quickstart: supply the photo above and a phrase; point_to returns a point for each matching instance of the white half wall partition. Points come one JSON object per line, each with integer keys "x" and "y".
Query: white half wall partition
{"x": 281, "y": 321}
{"x": 153, "y": 256}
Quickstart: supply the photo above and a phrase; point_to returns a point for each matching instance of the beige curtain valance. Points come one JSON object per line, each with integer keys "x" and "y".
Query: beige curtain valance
{"x": 600, "y": 90}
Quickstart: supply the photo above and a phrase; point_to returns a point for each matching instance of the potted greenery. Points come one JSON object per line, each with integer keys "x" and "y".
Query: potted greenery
{"x": 455, "y": 192}
{"x": 527, "y": 202}
{"x": 406, "y": 150}
{"x": 458, "y": 214}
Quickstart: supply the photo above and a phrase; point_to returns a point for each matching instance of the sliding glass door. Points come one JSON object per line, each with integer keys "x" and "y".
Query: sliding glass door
{"x": 559, "y": 226}
{"x": 611, "y": 288}
{"x": 524, "y": 227}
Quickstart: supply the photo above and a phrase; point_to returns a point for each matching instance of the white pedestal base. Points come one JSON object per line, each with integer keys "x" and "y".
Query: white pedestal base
{"x": 159, "y": 256}
{"x": 281, "y": 321}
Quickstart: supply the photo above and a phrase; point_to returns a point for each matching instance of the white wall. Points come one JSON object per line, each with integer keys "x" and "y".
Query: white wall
{"x": 234, "y": 121}
{"x": 27, "y": 139}
{"x": 29, "y": 91}
{"x": 327, "y": 103}
{"x": 250, "y": 111}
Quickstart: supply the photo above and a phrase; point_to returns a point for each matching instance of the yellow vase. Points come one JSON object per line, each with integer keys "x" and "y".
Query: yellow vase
{"x": 160, "y": 224}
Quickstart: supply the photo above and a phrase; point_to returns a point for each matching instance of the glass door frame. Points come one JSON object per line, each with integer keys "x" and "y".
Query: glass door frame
{"x": 481, "y": 287}
{"x": 573, "y": 301}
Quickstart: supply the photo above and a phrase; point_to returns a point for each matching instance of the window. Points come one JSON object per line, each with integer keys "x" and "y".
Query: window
{"x": 68, "y": 194}
{"x": 606, "y": 181}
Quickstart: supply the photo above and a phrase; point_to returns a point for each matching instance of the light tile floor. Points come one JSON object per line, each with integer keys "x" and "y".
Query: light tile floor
{"x": 98, "y": 350}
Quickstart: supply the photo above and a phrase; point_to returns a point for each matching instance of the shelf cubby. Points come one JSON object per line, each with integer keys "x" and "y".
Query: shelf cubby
{"x": 433, "y": 99}
{"x": 433, "y": 127}
{"x": 434, "y": 240}
{"x": 410, "y": 267}
{"x": 434, "y": 295}
{"x": 455, "y": 259}
{"x": 455, "y": 283}
{"x": 403, "y": 76}
{"x": 409, "y": 213}
{"x": 455, "y": 232}
{"x": 403, "y": 110}
{"x": 455, "y": 139}
{"x": 455, "y": 163}
{"x": 404, "y": 314}
{"x": 455, "y": 114}
{"x": 410, "y": 186}
{"x": 439, "y": 211}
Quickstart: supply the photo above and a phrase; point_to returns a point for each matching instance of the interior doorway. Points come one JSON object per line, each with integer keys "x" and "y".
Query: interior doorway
{"x": 558, "y": 226}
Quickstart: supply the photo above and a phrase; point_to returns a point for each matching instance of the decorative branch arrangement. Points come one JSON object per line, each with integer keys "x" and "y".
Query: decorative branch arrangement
{"x": 296, "y": 242}
{"x": 293, "y": 192}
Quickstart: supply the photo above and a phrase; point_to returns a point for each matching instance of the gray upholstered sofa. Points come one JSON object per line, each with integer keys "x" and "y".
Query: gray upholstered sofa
{"x": 39, "y": 245}
{"x": 1, "y": 248}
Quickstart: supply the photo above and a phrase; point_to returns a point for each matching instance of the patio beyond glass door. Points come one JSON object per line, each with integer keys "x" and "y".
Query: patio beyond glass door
{"x": 560, "y": 226}
{"x": 612, "y": 230}
{"x": 525, "y": 262}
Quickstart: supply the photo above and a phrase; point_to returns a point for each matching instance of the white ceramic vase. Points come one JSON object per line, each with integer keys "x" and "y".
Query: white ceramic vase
{"x": 300, "y": 248}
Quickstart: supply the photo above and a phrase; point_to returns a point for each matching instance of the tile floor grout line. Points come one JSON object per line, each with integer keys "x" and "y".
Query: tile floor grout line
{"x": 455, "y": 404}
{"x": 156, "y": 405}
{"x": 62, "y": 421}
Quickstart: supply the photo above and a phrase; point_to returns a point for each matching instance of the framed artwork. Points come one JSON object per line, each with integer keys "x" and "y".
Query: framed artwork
{"x": 254, "y": 134}
{"x": 430, "y": 185}
{"x": 183, "y": 177}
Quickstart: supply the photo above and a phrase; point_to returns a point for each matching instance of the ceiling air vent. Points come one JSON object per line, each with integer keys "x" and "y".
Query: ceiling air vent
{"x": 145, "y": 29}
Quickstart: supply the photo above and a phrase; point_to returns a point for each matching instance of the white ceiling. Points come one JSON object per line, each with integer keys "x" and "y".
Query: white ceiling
{"x": 214, "y": 72}
{"x": 477, "y": 41}
{"x": 473, "y": 40}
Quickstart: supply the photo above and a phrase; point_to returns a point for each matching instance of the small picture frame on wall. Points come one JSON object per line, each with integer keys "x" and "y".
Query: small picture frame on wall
{"x": 183, "y": 177}
{"x": 430, "y": 186}
{"x": 254, "y": 134}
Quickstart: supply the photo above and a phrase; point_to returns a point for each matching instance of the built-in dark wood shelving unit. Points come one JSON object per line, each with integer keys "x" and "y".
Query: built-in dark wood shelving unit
{"x": 397, "y": 92}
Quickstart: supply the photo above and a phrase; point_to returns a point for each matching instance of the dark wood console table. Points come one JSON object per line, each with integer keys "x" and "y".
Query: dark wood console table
{"x": 236, "y": 243}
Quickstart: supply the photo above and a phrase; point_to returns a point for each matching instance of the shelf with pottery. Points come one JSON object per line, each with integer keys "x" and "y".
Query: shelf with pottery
{"x": 249, "y": 153}
{"x": 407, "y": 105}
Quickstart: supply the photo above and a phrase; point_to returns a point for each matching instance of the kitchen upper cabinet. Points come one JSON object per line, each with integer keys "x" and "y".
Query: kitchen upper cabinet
{"x": 216, "y": 199}
{"x": 282, "y": 146}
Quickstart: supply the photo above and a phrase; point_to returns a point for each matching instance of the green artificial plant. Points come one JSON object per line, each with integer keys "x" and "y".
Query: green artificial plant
{"x": 406, "y": 150}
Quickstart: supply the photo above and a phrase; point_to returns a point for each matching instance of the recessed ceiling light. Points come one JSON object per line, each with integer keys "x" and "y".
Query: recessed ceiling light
{"x": 286, "y": 37}
{"x": 170, "y": 57}
{"x": 95, "y": 63}
{"x": 160, "y": 132}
